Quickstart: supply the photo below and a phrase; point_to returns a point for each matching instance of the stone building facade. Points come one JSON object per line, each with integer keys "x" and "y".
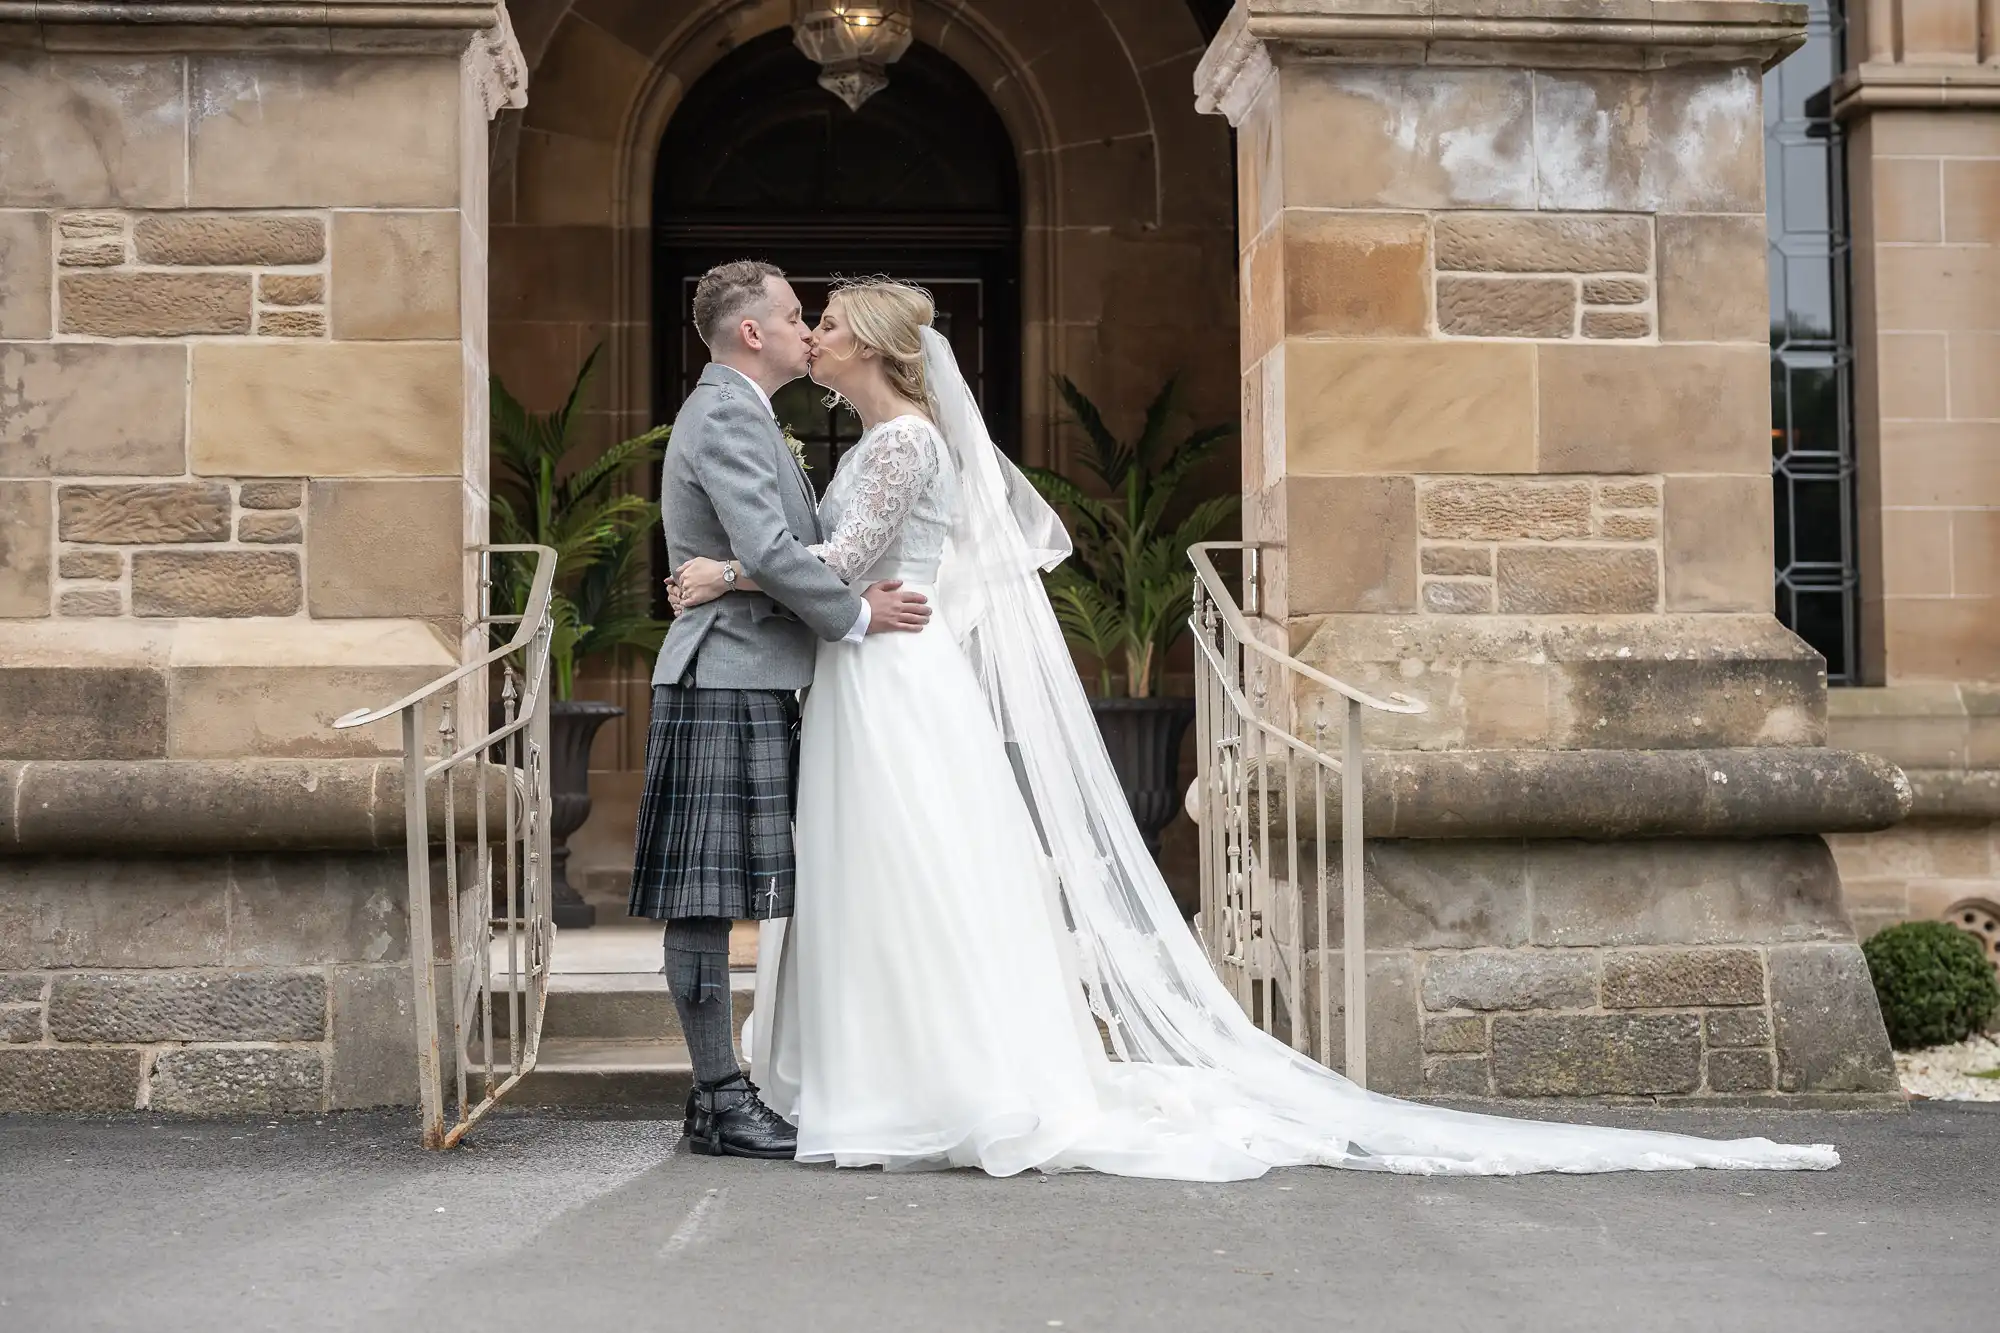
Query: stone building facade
{"x": 1481, "y": 283}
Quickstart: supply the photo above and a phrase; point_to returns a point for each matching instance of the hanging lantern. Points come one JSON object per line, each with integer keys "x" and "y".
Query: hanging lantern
{"x": 853, "y": 42}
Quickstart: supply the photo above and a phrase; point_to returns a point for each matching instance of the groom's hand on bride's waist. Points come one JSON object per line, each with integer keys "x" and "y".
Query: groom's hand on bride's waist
{"x": 891, "y": 609}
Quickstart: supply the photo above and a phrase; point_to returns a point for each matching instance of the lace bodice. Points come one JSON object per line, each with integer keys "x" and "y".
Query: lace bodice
{"x": 890, "y": 505}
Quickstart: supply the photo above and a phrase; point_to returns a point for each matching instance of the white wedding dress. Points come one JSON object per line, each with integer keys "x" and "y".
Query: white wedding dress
{"x": 972, "y": 896}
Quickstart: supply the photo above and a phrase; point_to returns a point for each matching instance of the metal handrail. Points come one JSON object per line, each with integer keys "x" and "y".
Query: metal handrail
{"x": 475, "y": 873}
{"x": 1243, "y": 910}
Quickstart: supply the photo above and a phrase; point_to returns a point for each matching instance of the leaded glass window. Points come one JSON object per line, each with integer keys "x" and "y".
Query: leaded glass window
{"x": 1812, "y": 435}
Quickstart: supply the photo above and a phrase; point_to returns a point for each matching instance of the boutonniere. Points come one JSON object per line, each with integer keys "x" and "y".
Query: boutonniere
{"x": 798, "y": 448}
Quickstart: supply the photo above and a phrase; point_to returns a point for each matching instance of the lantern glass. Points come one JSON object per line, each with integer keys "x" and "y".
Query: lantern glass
{"x": 853, "y": 42}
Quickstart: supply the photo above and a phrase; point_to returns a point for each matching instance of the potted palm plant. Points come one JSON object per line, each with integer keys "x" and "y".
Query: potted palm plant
{"x": 1125, "y": 596}
{"x": 601, "y": 601}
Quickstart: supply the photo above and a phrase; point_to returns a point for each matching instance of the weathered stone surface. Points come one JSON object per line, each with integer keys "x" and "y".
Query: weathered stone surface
{"x": 1617, "y": 324}
{"x": 24, "y": 275}
{"x": 1399, "y": 407}
{"x": 1454, "y": 1036}
{"x": 188, "y": 1006}
{"x": 1740, "y": 1071}
{"x": 1457, "y": 560}
{"x": 291, "y": 324}
{"x": 1511, "y": 979}
{"x": 1628, "y": 527}
{"x": 228, "y": 239}
{"x": 154, "y": 305}
{"x": 1680, "y": 139}
{"x": 269, "y": 529}
{"x": 1418, "y": 164}
{"x": 328, "y": 409}
{"x": 1458, "y": 1076}
{"x": 1718, "y": 543}
{"x": 1685, "y": 407}
{"x": 92, "y": 410}
{"x": 1478, "y": 509}
{"x": 91, "y": 240}
{"x": 1367, "y": 560}
{"x": 291, "y": 289}
{"x": 93, "y": 130}
{"x": 21, "y": 988}
{"x": 1424, "y": 895}
{"x": 83, "y": 712}
{"x": 395, "y": 275}
{"x": 1615, "y": 291}
{"x": 146, "y": 514}
{"x": 1618, "y": 494}
{"x": 1589, "y": 1055}
{"x": 1829, "y": 1029}
{"x": 65, "y": 912}
{"x": 215, "y": 583}
{"x": 1469, "y": 598}
{"x": 1683, "y": 978}
{"x": 1704, "y": 260}
{"x": 1506, "y": 307}
{"x": 81, "y": 603}
{"x": 1570, "y": 580}
{"x": 272, "y": 494}
{"x": 372, "y": 1022}
{"x": 1542, "y": 243}
{"x": 224, "y": 1081}
{"x": 384, "y": 131}
{"x": 43, "y": 1080}
{"x": 1739, "y": 1027}
{"x": 20, "y": 1023}
{"x": 101, "y": 565}
{"x": 1395, "y": 1048}
{"x": 314, "y": 908}
{"x": 24, "y": 548}
{"x": 1686, "y": 891}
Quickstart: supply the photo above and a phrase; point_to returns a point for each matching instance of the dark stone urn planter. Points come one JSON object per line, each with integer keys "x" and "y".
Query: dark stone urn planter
{"x": 1144, "y": 738}
{"x": 573, "y": 725}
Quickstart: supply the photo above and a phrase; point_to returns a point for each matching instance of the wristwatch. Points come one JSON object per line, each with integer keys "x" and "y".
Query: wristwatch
{"x": 729, "y": 574}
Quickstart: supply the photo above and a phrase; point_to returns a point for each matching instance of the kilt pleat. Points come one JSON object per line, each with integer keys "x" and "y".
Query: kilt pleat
{"x": 715, "y": 816}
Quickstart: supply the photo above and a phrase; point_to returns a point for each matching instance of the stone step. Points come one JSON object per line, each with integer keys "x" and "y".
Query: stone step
{"x": 574, "y": 1071}
{"x": 618, "y": 1006}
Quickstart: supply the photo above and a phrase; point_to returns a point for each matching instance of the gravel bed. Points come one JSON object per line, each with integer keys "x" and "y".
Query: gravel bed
{"x": 1946, "y": 1073}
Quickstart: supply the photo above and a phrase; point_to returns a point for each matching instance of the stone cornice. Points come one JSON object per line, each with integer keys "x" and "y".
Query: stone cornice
{"x": 446, "y": 14}
{"x": 480, "y": 29}
{"x": 1556, "y": 34}
{"x": 1887, "y": 86}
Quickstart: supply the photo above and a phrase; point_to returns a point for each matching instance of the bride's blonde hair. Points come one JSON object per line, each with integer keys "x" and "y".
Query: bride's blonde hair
{"x": 888, "y": 318}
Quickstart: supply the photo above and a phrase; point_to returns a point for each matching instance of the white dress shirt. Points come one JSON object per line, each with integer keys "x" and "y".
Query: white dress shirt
{"x": 860, "y": 630}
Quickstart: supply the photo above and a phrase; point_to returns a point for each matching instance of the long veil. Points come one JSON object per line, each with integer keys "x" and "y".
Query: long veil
{"x": 1144, "y": 973}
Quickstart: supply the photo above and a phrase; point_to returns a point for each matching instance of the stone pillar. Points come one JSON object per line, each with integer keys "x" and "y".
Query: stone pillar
{"x": 242, "y": 450}
{"x": 1506, "y": 424}
{"x": 1920, "y": 106}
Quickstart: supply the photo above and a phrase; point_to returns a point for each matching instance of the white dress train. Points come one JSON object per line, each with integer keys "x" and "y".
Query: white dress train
{"x": 926, "y": 1005}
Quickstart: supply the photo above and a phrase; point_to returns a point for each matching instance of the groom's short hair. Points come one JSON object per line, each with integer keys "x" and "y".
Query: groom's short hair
{"x": 726, "y": 292}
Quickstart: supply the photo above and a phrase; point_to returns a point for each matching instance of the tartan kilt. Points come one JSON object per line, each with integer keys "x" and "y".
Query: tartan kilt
{"x": 715, "y": 818}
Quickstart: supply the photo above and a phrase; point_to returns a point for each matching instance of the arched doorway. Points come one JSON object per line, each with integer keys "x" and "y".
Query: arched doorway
{"x": 922, "y": 184}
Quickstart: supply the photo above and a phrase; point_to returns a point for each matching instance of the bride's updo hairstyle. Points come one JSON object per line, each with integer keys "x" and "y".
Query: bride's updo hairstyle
{"x": 888, "y": 318}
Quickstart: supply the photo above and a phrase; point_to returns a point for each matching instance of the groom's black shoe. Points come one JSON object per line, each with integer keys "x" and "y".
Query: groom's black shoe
{"x": 726, "y": 1118}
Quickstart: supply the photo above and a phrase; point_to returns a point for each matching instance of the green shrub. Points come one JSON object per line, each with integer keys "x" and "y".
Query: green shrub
{"x": 1934, "y": 983}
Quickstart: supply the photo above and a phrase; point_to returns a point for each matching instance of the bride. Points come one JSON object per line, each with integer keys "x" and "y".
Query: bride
{"x": 974, "y": 900}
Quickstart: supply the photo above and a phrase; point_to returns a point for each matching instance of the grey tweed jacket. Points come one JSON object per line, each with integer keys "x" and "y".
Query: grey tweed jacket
{"x": 730, "y": 487}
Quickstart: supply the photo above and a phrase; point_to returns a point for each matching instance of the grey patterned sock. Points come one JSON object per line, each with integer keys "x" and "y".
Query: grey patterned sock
{"x": 697, "y": 970}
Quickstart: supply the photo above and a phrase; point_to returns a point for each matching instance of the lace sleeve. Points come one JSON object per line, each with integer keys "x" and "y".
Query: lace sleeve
{"x": 899, "y": 465}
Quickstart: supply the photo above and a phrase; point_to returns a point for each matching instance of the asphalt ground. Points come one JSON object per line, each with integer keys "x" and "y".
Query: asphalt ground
{"x": 568, "y": 1224}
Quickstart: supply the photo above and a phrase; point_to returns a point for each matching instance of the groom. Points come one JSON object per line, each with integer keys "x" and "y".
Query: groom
{"x": 715, "y": 819}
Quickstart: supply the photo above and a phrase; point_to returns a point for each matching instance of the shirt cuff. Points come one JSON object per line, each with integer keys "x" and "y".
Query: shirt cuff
{"x": 860, "y": 630}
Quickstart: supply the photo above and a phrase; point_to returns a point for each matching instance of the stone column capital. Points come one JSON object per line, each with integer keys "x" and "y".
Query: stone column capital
{"x": 480, "y": 28}
{"x": 1539, "y": 34}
